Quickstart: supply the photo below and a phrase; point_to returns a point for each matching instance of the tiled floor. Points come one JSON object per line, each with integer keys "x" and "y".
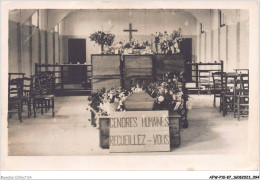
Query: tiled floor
{"x": 69, "y": 133}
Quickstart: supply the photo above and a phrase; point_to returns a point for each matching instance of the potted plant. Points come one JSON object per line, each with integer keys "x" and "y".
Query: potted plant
{"x": 102, "y": 38}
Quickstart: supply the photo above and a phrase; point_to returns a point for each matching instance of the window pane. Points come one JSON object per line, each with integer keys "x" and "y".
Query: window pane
{"x": 56, "y": 28}
{"x": 35, "y": 19}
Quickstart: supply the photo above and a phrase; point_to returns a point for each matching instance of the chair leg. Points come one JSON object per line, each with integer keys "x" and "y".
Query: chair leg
{"x": 20, "y": 111}
{"x": 34, "y": 107}
{"x": 29, "y": 108}
{"x": 41, "y": 106}
{"x": 45, "y": 102}
{"x": 220, "y": 103}
{"x": 53, "y": 113}
{"x": 224, "y": 106}
{"x": 214, "y": 102}
{"x": 48, "y": 104}
{"x": 238, "y": 108}
{"x": 22, "y": 106}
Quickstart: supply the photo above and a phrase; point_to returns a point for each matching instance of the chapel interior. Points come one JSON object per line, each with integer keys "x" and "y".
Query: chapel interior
{"x": 215, "y": 46}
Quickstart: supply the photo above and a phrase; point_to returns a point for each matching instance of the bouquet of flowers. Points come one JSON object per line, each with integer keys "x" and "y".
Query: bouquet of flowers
{"x": 168, "y": 92}
{"x": 119, "y": 46}
{"x": 147, "y": 44}
{"x": 128, "y": 45}
{"x": 104, "y": 102}
{"x": 176, "y": 38}
{"x": 168, "y": 42}
{"x": 164, "y": 46}
{"x": 102, "y": 38}
{"x": 157, "y": 40}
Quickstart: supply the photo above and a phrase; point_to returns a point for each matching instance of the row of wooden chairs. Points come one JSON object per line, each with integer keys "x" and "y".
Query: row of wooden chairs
{"x": 233, "y": 91}
{"x": 35, "y": 92}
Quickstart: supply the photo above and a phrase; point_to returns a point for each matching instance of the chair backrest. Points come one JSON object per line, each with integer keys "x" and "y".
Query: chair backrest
{"x": 15, "y": 75}
{"x": 229, "y": 81}
{"x": 242, "y": 85}
{"x": 27, "y": 86}
{"x": 35, "y": 86}
{"x": 46, "y": 82}
{"x": 242, "y": 71}
{"x": 15, "y": 88}
{"x": 218, "y": 80}
{"x": 244, "y": 81}
{"x": 204, "y": 76}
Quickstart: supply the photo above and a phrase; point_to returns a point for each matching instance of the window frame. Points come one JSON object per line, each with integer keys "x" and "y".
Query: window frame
{"x": 222, "y": 19}
{"x": 202, "y": 30}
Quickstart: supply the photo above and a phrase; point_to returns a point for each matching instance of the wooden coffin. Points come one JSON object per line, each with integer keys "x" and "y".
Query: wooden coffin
{"x": 138, "y": 65}
{"x": 168, "y": 63}
{"x": 105, "y": 65}
{"x": 106, "y": 82}
{"x": 140, "y": 101}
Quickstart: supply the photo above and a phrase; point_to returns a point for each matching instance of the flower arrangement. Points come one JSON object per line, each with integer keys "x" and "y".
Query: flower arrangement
{"x": 168, "y": 42}
{"x": 170, "y": 95}
{"x": 128, "y": 47}
{"x": 167, "y": 92}
{"x": 102, "y": 38}
{"x": 157, "y": 40}
{"x": 104, "y": 102}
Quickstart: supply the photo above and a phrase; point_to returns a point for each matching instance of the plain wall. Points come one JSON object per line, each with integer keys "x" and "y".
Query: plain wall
{"x": 229, "y": 43}
{"x": 13, "y": 57}
{"x": 32, "y": 48}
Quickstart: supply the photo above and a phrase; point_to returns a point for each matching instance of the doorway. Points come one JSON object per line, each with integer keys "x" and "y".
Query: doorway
{"x": 186, "y": 50}
{"x": 76, "y": 55}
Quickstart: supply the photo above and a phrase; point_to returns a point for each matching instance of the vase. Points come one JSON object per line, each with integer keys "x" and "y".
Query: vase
{"x": 102, "y": 48}
{"x": 125, "y": 51}
{"x": 130, "y": 51}
{"x": 136, "y": 51}
{"x": 156, "y": 47}
{"x": 173, "y": 49}
{"x": 164, "y": 51}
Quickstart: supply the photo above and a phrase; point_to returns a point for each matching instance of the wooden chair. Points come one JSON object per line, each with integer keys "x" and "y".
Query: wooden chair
{"x": 245, "y": 74}
{"x": 15, "y": 88}
{"x": 204, "y": 81}
{"x": 218, "y": 87}
{"x": 15, "y": 75}
{"x": 241, "y": 106}
{"x": 43, "y": 92}
{"x": 227, "y": 97}
{"x": 27, "y": 88}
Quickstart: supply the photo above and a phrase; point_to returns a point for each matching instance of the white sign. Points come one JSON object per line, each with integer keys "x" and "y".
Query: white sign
{"x": 139, "y": 131}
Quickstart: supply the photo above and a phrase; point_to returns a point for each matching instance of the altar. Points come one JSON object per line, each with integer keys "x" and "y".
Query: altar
{"x": 128, "y": 70}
